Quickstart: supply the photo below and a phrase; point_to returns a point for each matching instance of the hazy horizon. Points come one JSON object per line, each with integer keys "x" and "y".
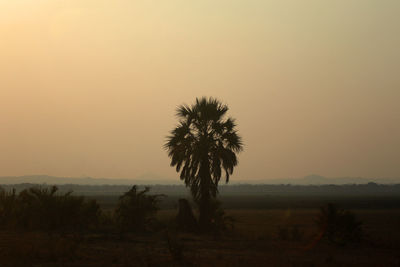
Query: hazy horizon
{"x": 89, "y": 88}
{"x": 152, "y": 179}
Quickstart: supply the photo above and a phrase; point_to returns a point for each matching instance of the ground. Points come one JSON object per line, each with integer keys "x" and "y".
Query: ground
{"x": 258, "y": 239}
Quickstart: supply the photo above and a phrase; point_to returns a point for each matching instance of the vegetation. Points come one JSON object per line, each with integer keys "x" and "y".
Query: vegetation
{"x": 220, "y": 221}
{"x": 255, "y": 239}
{"x": 43, "y": 208}
{"x": 135, "y": 209}
{"x": 201, "y": 145}
{"x": 185, "y": 219}
{"x": 338, "y": 225}
{"x": 39, "y": 208}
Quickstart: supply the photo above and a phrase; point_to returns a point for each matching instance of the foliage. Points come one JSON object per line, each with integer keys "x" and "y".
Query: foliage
{"x": 220, "y": 222}
{"x": 7, "y": 206}
{"x": 40, "y": 208}
{"x": 135, "y": 209}
{"x": 338, "y": 225}
{"x": 202, "y": 143}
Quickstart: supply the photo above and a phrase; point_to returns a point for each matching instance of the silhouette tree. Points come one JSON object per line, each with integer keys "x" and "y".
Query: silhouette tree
{"x": 135, "y": 209}
{"x": 202, "y": 143}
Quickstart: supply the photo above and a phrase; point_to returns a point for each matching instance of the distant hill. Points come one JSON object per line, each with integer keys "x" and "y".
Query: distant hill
{"x": 151, "y": 179}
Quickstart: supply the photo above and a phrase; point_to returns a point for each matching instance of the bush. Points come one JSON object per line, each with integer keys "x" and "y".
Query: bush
{"x": 135, "y": 209}
{"x": 338, "y": 225}
{"x": 7, "y": 204}
{"x": 220, "y": 222}
{"x": 40, "y": 208}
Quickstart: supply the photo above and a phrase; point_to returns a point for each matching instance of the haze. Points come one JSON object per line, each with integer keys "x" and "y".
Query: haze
{"x": 89, "y": 88}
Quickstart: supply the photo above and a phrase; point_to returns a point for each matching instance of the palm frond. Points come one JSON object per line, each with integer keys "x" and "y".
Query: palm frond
{"x": 204, "y": 136}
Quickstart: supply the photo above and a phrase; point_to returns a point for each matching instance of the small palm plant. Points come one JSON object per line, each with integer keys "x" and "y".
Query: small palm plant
{"x": 338, "y": 225}
{"x": 41, "y": 208}
{"x": 135, "y": 209}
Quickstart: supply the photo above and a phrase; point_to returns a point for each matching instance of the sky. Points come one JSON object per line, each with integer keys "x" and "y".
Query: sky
{"x": 90, "y": 87}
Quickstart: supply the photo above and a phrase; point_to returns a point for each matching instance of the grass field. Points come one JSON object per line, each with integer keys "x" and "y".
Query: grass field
{"x": 256, "y": 240}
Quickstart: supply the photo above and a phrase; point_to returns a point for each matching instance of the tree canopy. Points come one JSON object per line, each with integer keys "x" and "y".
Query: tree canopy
{"x": 204, "y": 144}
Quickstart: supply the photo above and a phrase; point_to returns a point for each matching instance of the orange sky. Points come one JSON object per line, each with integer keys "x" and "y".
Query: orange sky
{"x": 89, "y": 87}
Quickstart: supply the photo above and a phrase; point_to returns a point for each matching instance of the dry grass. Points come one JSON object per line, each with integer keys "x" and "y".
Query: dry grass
{"x": 254, "y": 242}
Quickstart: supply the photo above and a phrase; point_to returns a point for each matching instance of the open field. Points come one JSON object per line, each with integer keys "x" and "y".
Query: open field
{"x": 255, "y": 240}
{"x": 277, "y": 201}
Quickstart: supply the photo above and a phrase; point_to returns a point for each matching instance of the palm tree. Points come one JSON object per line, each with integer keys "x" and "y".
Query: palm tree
{"x": 202, "y": 143}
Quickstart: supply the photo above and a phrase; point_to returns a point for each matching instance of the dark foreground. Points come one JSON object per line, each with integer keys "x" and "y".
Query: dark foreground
{"x": 263, "y": 237}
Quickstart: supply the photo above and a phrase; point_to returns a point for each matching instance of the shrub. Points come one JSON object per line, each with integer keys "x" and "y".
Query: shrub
{"x": 40, "y": 208}
{"x": 338, "y": 225}
{"x": 220, "y": 222}
{"x": 135, "y": 209}
{"x": 7, "y": 206}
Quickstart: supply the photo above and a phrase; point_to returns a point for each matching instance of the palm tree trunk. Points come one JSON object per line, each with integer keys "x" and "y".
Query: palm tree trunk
{"x": 205, "y": 197}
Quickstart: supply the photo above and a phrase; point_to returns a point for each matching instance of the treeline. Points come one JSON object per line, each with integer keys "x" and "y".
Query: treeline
{"x": 350, "y": 189}
{"x": 46, "y": 209}
{"x": 241, "y": 189}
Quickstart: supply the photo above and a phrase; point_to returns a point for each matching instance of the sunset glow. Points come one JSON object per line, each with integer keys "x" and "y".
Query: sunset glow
{"x": 89, "y": 88}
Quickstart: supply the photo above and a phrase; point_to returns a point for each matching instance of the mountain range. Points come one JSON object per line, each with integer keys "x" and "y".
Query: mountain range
{"x": 151, "y": 179}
